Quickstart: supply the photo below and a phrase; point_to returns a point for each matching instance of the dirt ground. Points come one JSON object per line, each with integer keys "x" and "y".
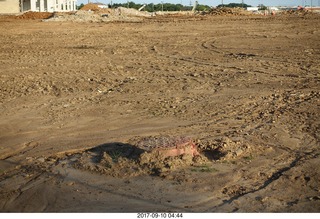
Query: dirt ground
{"x": 75, "y": 98}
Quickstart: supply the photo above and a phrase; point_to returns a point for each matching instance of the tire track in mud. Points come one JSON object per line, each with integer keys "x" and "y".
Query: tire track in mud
{"x": 32, "y": 183}
{"x": 211, "y": 46}
{"x": 225, "y": 54}
{"x": 184, "y": 59}
{"x": 60, "y": 173}
{"x": 26, "y": 147}
{"x": 278, "y": 61}
{"x": 274, "y": 177}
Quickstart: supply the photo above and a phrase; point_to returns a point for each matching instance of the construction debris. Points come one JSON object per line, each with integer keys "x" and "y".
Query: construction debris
{"x": 301, "y": 12}
{"x": 79, "y": 16}
{"x": 228, "y": 11}
{"x": 96, "y": 14}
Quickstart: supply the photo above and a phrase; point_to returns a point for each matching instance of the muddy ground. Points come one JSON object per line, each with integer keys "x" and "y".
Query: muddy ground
{"x": 75, "y": 98}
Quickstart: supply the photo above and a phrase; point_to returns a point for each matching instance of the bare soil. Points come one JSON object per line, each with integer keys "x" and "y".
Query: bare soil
{"x": 77, "y": 98}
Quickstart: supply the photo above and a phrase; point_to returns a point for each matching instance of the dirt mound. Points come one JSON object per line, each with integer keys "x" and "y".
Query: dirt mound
{"x": 228, "y": 11}
{"x": 35, "y": 15}
{"x": 130, "y": 12}
{"x": 297, "y": 12}
{"x": 90, "y": 7}
{"x": 101, "y": 15}
{"x": 124, "y": 160}
{"x": 79, "y": 16}
{"x": 94, "y": 16}
{"x": 149, "y": 156}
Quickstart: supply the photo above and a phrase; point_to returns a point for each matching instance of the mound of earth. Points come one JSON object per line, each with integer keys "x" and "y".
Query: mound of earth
{"x": 146, "y": 156}
{"x": 149, "y": 156}
{"x": 298, "y": 12}
{"x": 35, "y": 15}
{"x": 101, "y": 15}
{"x": 90, "y": 7}
{"x": 228, "y": 11}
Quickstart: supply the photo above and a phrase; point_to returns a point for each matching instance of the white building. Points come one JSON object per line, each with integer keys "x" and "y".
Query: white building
{"x": 17, "y": 6}
{"x": 273, "y": 8}
{"x": 252, "y": 8}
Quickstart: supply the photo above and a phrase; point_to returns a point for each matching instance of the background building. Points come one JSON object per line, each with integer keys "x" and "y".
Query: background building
{"x": 17, "y": 6}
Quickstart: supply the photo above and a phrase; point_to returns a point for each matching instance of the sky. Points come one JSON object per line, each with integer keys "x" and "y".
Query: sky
{"x": 217, "y": 2}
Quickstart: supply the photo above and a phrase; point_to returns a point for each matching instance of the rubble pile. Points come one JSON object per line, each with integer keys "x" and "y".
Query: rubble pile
{"x": 296, "y": 12}
{"x": 228, "y": 11}
{"x": 131, "y": 12}
{"x": 88, "y": 13}
{"x": 79, "y": 16}
{"x": 120, "y": 11}
{"x": 92, "y": 13}
{"x": 91, "y": 16}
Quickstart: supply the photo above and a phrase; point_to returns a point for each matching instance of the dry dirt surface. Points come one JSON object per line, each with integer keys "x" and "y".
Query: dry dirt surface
{"x": 81, "y": 102}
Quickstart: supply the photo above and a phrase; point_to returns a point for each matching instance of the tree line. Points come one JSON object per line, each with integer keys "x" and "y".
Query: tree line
{"x": 234, "y": 5}
{"x": 161, "y": 7}
{"x": 157, "y": 7}
{"x": 170, "y": 7}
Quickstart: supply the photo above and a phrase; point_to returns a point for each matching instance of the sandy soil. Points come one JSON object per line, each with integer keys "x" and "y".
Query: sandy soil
{"x": 75, "y": 98}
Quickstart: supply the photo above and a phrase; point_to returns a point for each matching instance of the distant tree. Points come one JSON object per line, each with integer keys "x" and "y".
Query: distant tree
{"x": 127, "y": 5}
{"x": 262, "y": 7}
{"x": 234, "y": 5}
{"x": 132, "y": 5}
{"x": 80, "y": 6}
{"x": 203, "y": 8}
{"x": 158, "y": 7}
